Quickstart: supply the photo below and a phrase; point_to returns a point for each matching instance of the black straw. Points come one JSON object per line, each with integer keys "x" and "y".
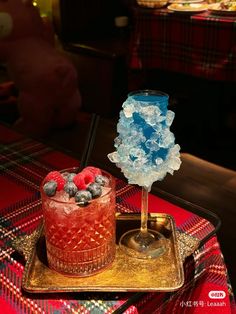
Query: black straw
{"x": 89, "y": 141}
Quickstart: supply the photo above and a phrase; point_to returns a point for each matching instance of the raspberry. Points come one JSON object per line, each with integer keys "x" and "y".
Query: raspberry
{"x": 95, "y": 171}
{"x": 57, "y": 177}
{"x": 83, "y": 179}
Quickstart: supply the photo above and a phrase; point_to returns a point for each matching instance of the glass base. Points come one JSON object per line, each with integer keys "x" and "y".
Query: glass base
{"x": 148, "y": 245}
{"x": 81, "y": 263}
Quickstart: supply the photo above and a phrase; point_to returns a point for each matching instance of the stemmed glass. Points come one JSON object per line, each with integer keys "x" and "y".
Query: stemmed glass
{"x": 143, "y": 243}
{"x": 145, "y": 152}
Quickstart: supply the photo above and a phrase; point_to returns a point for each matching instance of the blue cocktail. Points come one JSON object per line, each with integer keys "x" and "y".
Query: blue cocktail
{"x": 145, "y": 152}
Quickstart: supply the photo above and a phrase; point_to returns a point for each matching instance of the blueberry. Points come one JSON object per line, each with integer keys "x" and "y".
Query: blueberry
{"x": 83, "y": 197}
{"x": 70, "y": 188}
{"x": 71, "y": 176}
{"x": 102, "y": 180}
{"x": 50, "y": 188}
{"x": 95, "y": 189}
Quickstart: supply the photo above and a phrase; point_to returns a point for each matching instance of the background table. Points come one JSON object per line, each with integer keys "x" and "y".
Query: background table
{"x": 201, "y": 45}
{"x": 23, "y": 164}
{"x": 192, "y": 57}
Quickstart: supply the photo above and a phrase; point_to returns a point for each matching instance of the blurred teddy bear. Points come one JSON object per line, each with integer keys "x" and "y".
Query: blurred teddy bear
{"x": 46, "y": 80}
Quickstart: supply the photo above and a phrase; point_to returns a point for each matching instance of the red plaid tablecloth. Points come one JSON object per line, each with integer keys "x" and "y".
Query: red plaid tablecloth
{"x": 23, "y": 164}
{"x": 201, "y": 45}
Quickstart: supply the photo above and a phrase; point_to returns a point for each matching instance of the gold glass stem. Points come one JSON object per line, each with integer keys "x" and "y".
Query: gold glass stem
{"x": 144, "y": 211}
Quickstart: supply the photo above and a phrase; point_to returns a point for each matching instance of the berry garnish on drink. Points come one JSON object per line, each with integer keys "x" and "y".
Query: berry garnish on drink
{"x": 82, "y": 186}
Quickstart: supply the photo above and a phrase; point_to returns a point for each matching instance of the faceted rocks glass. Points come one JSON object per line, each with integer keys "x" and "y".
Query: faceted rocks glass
{"x": 80, "y": 240}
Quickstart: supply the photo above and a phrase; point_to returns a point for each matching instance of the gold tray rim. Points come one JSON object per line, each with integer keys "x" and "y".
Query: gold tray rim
{"x": 111, "y": 288}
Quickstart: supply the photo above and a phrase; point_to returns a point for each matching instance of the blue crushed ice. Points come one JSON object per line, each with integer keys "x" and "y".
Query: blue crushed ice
{"x": 145, "y": 146}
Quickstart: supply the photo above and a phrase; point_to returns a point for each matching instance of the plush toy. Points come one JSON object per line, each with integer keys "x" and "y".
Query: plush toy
{"x": 45, "y": 78}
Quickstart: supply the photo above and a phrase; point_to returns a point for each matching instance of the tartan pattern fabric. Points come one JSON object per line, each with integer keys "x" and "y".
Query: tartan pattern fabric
{"x": 200, "y": 45}
{"x": 23, "y": 164}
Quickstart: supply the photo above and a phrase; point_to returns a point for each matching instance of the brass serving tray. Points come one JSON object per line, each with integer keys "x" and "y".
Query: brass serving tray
{"x": 125, "y": 274}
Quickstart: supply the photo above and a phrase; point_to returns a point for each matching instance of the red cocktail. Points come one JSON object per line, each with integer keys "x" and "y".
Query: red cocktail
{"x": 79, "y": 220}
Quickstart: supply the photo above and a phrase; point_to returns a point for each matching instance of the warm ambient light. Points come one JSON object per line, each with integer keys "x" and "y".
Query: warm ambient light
{"x": 44, "y": 7}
